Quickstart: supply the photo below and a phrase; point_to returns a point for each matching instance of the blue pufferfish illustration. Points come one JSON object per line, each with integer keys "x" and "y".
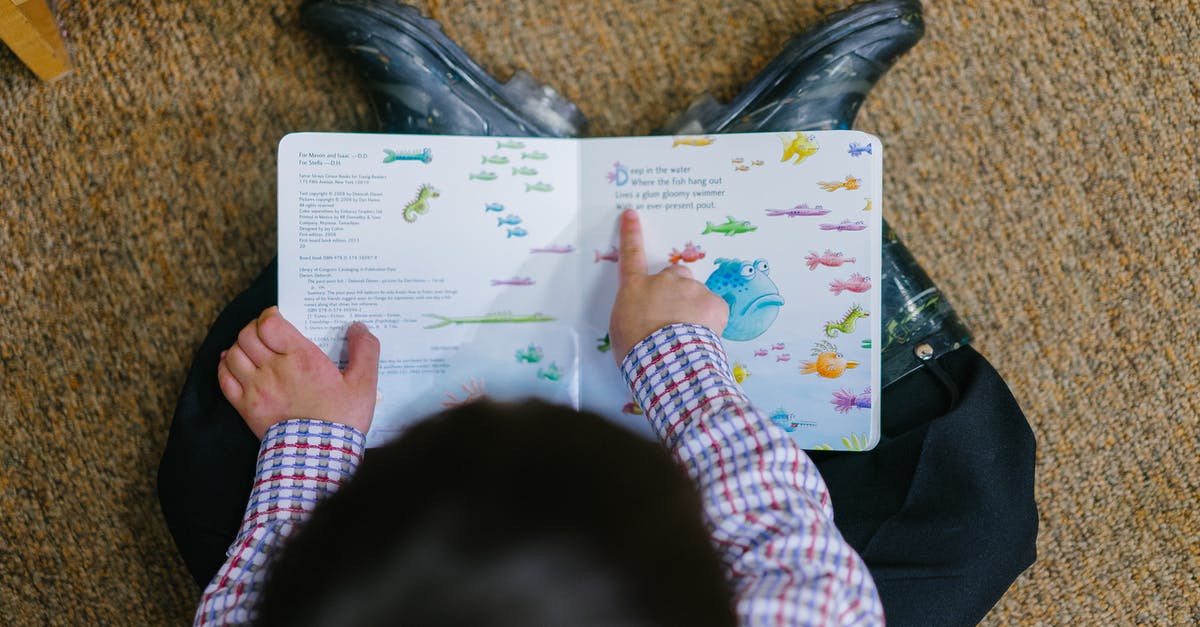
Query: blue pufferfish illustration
{"x": 753, "y": 298}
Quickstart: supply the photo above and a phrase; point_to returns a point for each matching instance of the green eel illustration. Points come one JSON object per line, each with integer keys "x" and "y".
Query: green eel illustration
{"x": 424, "y": 156}
{"x": 847, "y": 323}
{"x": 420, "y": 204}
{"x": 503, "y": 316}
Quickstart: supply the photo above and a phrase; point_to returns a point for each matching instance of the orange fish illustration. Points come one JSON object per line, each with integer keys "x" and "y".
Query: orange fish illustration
{"x": 829, "y": 364}
{"x": 833, "y": 186}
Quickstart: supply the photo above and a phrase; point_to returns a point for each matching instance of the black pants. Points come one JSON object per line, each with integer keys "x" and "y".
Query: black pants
{"x": 942, "y": 510}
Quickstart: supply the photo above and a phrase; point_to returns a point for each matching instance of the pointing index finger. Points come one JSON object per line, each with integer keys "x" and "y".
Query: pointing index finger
{"x": 631, "y": 260}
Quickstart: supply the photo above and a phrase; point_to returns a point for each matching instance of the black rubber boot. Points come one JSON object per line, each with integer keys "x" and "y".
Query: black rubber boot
{"x": 422, "y": 82}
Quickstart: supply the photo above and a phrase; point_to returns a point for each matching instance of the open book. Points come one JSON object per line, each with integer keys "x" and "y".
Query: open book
{"x": 487, "y": 266}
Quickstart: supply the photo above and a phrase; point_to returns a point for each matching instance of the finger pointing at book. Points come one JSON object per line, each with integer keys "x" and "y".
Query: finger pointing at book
{"x": 647, "y": 302}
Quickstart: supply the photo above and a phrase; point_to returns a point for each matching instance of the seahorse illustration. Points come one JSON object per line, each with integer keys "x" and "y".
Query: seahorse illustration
{"x": 847, "y": 323}
{"x": 420, "y": 204}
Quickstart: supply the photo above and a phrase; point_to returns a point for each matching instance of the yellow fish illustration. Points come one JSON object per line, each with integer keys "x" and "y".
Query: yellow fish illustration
{"x": 800, "y": 147}
{"x": 740, "y": 373}
{"x": 692, "y": 141}
{"x": 833, "y": 186}
{"x": 868, "y": 207}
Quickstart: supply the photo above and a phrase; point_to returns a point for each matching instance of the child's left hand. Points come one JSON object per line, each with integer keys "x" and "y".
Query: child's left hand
{"x": 273, "y": 373}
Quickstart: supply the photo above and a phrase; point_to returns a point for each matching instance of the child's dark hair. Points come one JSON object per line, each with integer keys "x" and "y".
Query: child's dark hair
{"x": 505, "y": 514}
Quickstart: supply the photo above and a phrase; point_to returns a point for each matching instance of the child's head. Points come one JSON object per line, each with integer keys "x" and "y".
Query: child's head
{"x": 505, "y": 514}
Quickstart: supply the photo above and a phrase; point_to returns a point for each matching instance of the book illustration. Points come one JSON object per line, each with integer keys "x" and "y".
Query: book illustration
{"x": 857, "y": 150}
{"x": 801, "y": 209}
{"x": 689, "y": 254}
{"x": 555, "y": 249}
{"x": 619, "y": 174}
{"x": 868, "y": 205}
{"x": 828, "y": 258}
{"x": 799, "y": 147}
{"x": 833, "y": 186}
{"x": 777, "y": 346}
{"x": 524, "y": 170}
{"x": 516, "y": 231}
{"x": 549, "y": 373}
{"x": 788, "y": 420}
{"x": 757, "y": 162}
{"x": 496, "y": 318}
{"x": 603, "y": 344}
{"x": 612, "y": 255}
{"x": 494, "y": 160}
{"x": 846, "y": 324}
{"x": 510, "y": 219}
{"x": 424, "y": 156}
{"x": 741, "y": 168}
{"x": 529, "y": 355}
{"x": 783, "y": 357}
{"x": 420, "y": 204}
{"x": 855, "y": 442}
{"x": 760, "y": 352}
{"x": 511, "y": 144}
{"x": 866, "y": 344}
{"x": 472, "y": 390}
{"x": 729, "y": 228}
{"x": 857, "y": 283}
{"x": 493, "y": 206}
{"x": 740, "y": 373}
{"x": 829, "y": 364}
{"x": 845, "y": 225}
{"x": 518, "y": 281}
{"x": 753, "y": 298}
{"x": 536, "y": 155}
{"x": 539, "y": 187}
{"x": 482, "y": 175}
{"x": 844, "y": 400}
{"x": 693, "y": 141}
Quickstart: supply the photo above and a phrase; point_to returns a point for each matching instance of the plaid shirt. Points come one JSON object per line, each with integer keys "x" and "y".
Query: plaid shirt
{"x": 765, "y": 504}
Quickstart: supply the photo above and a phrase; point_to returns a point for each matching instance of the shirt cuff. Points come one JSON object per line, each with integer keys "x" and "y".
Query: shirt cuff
{"x": 676, "y": 371}
{"x": 300, "y": 462}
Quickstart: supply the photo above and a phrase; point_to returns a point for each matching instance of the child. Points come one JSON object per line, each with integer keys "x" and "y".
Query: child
{"x": 532, "y": 514}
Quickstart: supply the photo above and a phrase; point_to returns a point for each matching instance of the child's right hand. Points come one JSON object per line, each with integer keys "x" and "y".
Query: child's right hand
{"x": 273, "y": 373}
{"x": 646, "y": 303}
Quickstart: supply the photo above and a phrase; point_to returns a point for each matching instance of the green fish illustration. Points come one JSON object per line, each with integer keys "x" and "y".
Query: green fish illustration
{"x": 530, "y": 355}
{"x": 496, "y": 159}
{"x": 536, "y": 155}
{"x": 482, "y": 175}
{"x": 603, "y": 344}
{"x": 539, "y": 187}
{"x": 494, "y": 318}
{"x": 510, "y": 143}
{"x": 526, "y": 171}
{"x": 729, "y": 228}
{"x": 549, "y": 373}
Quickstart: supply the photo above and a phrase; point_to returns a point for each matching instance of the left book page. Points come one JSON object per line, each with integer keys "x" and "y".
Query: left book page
{"x": 451, "y": 249}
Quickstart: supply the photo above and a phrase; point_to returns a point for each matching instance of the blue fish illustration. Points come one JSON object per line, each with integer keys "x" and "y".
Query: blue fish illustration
{"x": 753, "y": 298}
{"x": 493, "y": 206}
{"x": 508, "y": 219}
{"x": 424, "y": 156}
{"x": 516, "y": 231}
{"x": 858, "y": 150}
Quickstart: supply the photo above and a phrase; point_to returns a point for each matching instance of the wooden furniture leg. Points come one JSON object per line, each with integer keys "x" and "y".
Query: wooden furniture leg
{"x": 29, "y": 29}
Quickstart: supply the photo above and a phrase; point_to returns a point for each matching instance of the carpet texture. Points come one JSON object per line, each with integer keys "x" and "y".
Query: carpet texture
{"x": 1041, "y": 165}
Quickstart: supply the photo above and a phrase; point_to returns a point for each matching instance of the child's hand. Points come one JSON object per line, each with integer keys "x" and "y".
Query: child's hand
{"x": 273, "y": 373}
{"x": 646, "y": 303}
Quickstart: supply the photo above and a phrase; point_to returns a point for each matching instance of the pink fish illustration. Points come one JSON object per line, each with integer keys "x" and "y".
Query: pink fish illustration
{"x": 611, "y": 255}
{"x": 857, "y": 283}
{"x": 517, "y": 280}
{"x": 801, "y": 209}
{"x": 760, "y": 352}
{"x": 554, "y": 249}
{"x": 690, "y": 253}
{"x": 845, "y": 225}
{"x": 783, "y": 357}
{"x": 828, "y": 258}
{"x": 778, "y": 346}
{"x": 844, "y": 400}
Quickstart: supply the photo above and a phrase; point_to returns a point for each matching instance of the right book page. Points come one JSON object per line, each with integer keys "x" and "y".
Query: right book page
{"x": 786, "y": 227}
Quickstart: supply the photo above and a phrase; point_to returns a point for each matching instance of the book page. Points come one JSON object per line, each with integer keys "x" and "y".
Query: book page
{"x": 459, "y": 253}
{"x": 786, "y": 227}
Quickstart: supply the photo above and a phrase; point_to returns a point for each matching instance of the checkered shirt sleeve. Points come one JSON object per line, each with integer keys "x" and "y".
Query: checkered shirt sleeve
{"x": 300, "y": 462}
{"x": 765, "y": 504}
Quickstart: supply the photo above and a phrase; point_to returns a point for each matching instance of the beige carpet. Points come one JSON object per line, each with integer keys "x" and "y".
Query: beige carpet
{"x": 1041, "y": 164}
